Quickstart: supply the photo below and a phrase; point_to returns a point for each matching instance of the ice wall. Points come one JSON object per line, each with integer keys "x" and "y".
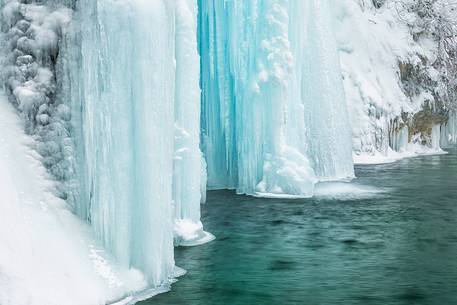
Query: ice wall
{"x": 136, "y": 125}
{"x": 269, "y": 125}
{"x": 126, "y": 111}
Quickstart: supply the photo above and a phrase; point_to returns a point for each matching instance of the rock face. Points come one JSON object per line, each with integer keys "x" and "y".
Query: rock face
{"x": 397, "y": 71}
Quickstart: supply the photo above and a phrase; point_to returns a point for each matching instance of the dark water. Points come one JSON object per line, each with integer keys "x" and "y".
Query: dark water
{"x": 397, "y": 247}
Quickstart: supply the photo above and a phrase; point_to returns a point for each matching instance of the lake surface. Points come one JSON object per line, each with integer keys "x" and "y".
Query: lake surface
{"x": 388, "y": 238}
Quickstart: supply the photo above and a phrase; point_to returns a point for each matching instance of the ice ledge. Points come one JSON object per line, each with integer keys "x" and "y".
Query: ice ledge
{"x": 413, "y": 150}
{"x": 188, "y": 233}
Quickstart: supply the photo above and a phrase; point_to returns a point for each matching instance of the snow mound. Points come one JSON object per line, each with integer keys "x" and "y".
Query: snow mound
{"x": 48, "y": 255}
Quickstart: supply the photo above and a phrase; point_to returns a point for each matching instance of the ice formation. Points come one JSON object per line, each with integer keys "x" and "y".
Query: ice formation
{"x": 274, "y": 119}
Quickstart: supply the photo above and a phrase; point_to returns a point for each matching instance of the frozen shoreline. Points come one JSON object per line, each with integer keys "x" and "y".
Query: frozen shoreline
{"x": 413, "y": 151}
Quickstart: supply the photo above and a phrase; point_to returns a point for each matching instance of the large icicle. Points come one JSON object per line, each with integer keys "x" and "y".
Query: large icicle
{"x": 328, "y": 130}
{"x": 274, "y": 115}
{"x": 189, "y": 180}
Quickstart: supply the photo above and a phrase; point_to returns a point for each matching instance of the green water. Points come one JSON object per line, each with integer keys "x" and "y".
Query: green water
{"x": 395, "y": 247}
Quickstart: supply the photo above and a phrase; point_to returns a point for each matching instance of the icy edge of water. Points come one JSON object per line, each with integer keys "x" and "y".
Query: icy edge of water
{"x": 188, "y": 233}
{"x": 147, "y": 293}
{"x": 393, "y": 156}
{"x": 140, "y": 296}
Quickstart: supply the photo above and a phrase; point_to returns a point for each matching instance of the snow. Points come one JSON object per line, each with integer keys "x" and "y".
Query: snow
{"x": 48, "y": 255}
{"x": 125, "y": 104}
{"x": 372, "y": 43}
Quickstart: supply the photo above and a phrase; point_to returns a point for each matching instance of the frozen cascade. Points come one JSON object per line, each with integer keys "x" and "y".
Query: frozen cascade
{"x": 129, "y": 104}
{"x": 136, "y": 125}
{"x": 270, "y": 124}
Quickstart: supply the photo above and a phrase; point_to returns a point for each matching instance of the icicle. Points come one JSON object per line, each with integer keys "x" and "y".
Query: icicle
{"x": 274, "y": 115}
{"x": 127, "y": 115}
{"x": 436, "y": 137}
{"x": 188, "y": 161}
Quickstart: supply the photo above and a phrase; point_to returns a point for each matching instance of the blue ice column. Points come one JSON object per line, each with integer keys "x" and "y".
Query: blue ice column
{"x": 218, "y": 131}
{"x": 274, "y": 117}
{"x": 248, "y": 141}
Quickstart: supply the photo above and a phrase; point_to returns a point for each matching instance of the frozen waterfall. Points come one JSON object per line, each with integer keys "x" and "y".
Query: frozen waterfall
{"x": 136, "y": 117}
{"x": 128, "y": 130}
{"x": 274, "y": 117}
